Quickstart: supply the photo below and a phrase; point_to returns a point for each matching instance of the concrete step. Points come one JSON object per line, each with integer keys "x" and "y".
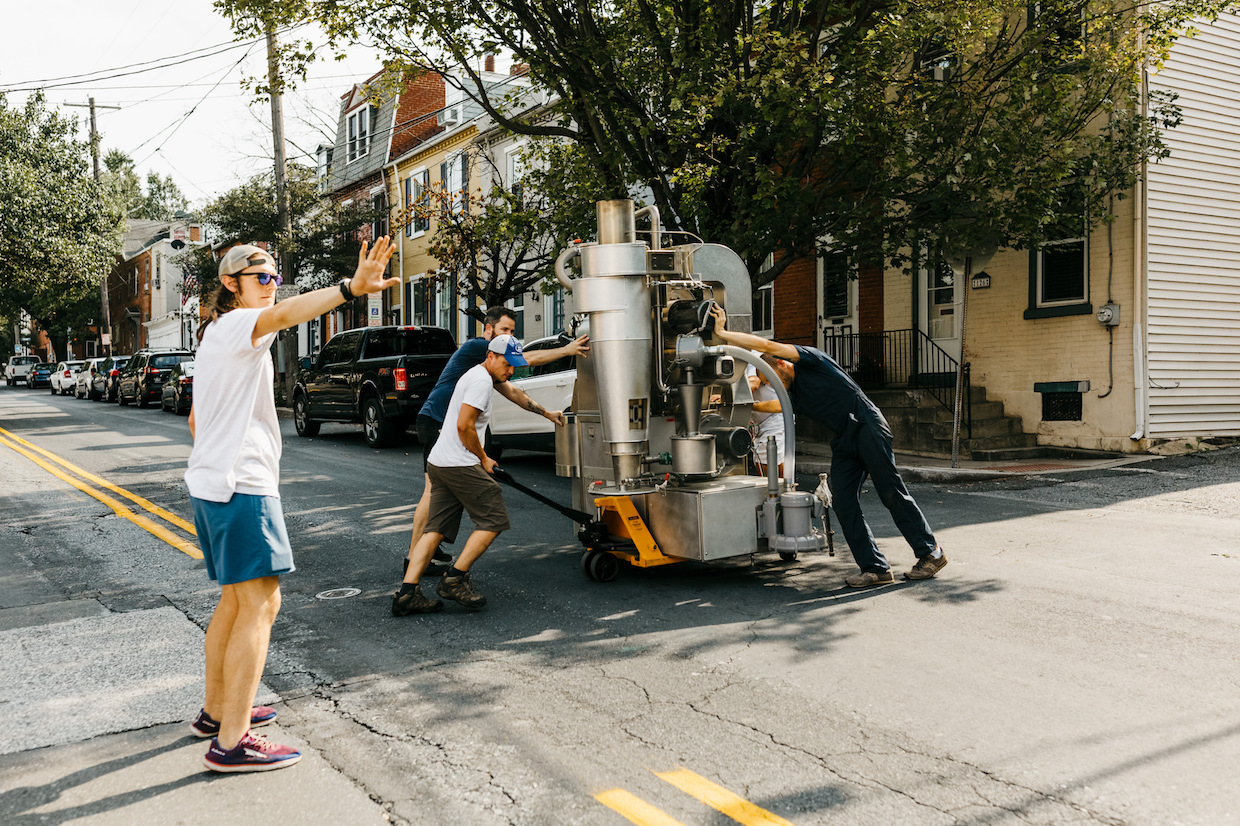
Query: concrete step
{"x": 982, "y": 428}
{"x": 981, "y": 410}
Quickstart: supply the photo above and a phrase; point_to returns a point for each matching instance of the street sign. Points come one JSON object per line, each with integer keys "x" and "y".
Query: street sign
{"x": 374, "y": 310}
{"x": 286, "y": 291}
{"x": 107, "y": 339}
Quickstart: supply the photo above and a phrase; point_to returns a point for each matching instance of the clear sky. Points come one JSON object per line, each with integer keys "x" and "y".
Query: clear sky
{"x": 227, "y": 137}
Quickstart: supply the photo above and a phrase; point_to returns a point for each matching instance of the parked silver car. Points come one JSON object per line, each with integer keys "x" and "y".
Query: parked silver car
{"x": 551, "y": 385}
{"x": 81, "y": 385}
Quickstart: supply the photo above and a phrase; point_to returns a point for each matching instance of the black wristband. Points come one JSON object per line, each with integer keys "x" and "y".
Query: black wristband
{"x": 345, "y": 291}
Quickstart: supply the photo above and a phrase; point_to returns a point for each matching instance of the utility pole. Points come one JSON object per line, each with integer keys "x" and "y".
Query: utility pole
{"x": 94, "y": 153}
{"x": 284, "y": 211}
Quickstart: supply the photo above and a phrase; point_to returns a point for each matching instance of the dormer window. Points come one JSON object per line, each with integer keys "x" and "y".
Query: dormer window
{"x": 359, "y": 133}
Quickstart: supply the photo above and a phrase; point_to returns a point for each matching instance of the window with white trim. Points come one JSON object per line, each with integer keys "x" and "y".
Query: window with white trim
{"x": 764, "y": 311}
{"x": 517, "y": 305}
{"x": 454, "y": 172}
{"x": 516, "y": 172}
{"x": 417, "y": 197}
{"x": 1059, "y": 266}
{"x": 557, "y": 312}
{"x": 359, "y": 133}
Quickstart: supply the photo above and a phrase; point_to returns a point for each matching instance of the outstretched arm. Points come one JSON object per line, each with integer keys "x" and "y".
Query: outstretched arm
{"x": 576, "y": 347}
{"x": 467, "y": 429}
{"x": 522, "y": 399}
{"x": 751, "y": 342}
{"x": 301, "y": 308}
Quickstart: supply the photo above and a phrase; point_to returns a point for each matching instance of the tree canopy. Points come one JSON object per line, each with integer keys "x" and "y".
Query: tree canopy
{"x": 161, "y": 200}
{"x": 769, "y": 126}
{"x": 58, "y": 230}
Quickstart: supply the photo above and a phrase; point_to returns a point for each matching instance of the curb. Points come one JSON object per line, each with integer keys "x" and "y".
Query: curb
{"x": 913, "y": 473}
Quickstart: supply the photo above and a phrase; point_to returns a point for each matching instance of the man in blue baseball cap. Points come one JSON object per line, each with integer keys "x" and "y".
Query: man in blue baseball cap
{"x": 461, "y": 478}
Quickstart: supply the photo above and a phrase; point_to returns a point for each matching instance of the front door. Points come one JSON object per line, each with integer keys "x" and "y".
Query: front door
{"x": 940, "y": 310}
{"x": 837, "y": 308}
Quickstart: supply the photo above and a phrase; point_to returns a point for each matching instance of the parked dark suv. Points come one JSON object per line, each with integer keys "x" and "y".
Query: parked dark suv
{"x": 103, "y": 383}
{"x": 378, "y": 376}
{"x": 142, "y": 379}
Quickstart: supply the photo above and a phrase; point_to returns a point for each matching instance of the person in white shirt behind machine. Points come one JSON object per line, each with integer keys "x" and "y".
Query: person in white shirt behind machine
{"x": 765, "y": 418}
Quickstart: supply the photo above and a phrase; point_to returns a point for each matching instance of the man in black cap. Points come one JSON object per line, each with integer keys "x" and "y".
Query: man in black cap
{"x": 820, "y": 389}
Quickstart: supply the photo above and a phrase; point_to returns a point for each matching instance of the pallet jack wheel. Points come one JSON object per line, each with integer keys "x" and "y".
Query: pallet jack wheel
{"x": 600, "y": 566}
{"x": 788, "y": 556}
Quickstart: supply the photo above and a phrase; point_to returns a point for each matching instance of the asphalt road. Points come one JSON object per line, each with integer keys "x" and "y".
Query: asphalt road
{"x": 1075, "y": 661}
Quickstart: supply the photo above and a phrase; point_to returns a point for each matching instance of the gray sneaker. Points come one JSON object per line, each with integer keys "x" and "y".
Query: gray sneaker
{"x": 868, "y": 579}
{"x": 459, "y": 589}
{"x": 926, "y": 567}
{"x": 414, "y": 602}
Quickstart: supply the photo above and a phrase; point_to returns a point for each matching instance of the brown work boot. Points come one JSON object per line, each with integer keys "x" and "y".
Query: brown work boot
{"x": 414, "y": 602}
{"x": 459, "y": 589}
{"x": 868, "y": 579}
{"x": 926, "y": 567}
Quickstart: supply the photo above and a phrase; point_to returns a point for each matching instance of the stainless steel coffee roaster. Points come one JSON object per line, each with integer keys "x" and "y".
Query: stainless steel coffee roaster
{"x": 657, "y": 441}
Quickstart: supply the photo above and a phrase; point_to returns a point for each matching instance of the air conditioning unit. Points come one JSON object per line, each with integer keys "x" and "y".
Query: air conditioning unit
{"x": 452, "y": 115}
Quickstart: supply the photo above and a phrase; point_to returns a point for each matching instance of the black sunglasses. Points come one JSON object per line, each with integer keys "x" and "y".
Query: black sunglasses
{"x": 265, "y": 278}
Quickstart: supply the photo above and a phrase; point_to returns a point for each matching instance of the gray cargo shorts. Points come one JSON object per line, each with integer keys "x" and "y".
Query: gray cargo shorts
{"x": 457, "y": 489}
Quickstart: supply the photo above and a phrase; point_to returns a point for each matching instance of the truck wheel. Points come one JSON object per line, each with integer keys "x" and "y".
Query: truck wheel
{"x": 306, "y": 427}
{"x": 378, "y": 429}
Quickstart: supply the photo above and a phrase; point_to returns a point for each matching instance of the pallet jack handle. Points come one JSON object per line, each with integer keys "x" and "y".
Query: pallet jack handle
{"x": 577, "y": 516}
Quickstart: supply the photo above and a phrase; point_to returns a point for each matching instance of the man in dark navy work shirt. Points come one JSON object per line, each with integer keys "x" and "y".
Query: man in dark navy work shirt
{"x": 498, "y": 321}
{"x": 821, "y": 390}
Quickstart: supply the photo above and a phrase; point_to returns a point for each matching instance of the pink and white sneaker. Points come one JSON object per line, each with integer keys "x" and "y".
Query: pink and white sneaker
{"x": 253, "y": 753}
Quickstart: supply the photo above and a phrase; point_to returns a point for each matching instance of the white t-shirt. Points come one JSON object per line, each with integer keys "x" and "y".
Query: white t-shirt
{"x": 237, "y": 441}
{"x": 474, "y": 389}
{"x": 766, "y": 424}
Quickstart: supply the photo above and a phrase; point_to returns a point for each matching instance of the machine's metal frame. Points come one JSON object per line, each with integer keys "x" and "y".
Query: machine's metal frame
{"x": 657, "y": 441}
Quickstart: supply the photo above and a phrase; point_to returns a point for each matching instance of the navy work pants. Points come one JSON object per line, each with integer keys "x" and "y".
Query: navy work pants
{"x": 864, "y": 449}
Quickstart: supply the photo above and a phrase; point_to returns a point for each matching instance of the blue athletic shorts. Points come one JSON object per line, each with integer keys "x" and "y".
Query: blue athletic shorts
{"x": 243, "y": 538}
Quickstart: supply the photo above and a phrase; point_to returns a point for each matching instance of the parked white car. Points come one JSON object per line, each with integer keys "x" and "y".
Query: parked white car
{"x": 551, "y": 385}
{"x": 64, "y": 377}
{"x": 81, "y": 384}
{"x": 18, "y": 369}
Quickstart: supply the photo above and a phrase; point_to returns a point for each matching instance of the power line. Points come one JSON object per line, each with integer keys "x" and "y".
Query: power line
{"x": 87, "y": 77}
{"x": 181, "y": 122}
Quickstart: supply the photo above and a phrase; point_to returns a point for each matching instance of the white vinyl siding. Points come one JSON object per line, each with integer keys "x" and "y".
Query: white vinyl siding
{"x": 1193, "y": 336}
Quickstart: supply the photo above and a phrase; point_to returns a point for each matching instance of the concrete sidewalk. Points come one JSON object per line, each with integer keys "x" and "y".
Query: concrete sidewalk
{"x": 95, "y": 707}
{"x": 814, "y": 457}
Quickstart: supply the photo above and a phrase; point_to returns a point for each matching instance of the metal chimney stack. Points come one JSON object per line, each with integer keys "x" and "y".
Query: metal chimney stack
{"x": 613, "y": 290}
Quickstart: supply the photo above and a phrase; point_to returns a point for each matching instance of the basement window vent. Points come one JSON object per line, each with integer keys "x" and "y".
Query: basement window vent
{"x": 1061, "y": 407}
{"x": 1061, "y": 400}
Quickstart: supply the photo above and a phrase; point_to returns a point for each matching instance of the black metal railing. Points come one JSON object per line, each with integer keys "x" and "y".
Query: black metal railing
{"x": 902, "y": 359}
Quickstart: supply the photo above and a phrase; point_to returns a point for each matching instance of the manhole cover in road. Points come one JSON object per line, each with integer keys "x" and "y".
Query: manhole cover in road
{"x": 338, "y": 593}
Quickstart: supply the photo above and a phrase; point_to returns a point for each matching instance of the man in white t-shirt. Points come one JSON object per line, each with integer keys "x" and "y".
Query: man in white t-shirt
{"x": 460, "y": 474}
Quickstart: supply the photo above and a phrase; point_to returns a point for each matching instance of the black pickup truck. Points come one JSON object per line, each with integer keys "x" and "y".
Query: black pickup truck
{"x": 379, "y": 376}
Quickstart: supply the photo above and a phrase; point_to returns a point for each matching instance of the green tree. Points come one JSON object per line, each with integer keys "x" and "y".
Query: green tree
{"x": 59, "y": 233}
{"x": 767, "y": 126}
{"x": 161, "y": 199}
{"x": 324, "y": 247}
{"x": 121, "y": 182}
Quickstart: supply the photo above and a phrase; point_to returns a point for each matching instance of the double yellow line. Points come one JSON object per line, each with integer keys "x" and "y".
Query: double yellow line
{"x": 38, "y": 455}
{"x": 638, "y": 811}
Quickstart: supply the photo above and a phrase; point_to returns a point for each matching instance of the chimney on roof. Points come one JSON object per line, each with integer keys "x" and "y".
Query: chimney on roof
{"x": 518, "y": 68}
{"x": 488, "y": 65}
